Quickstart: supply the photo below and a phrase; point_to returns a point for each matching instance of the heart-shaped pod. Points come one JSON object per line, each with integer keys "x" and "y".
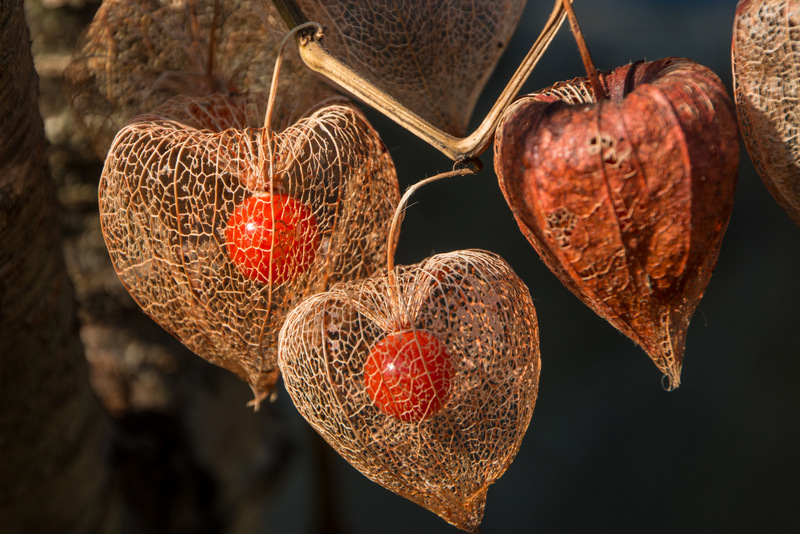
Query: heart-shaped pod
{"x": 627, "y": 199}
{"x": 424, "y": 378}
{"x": 176, "y": 192}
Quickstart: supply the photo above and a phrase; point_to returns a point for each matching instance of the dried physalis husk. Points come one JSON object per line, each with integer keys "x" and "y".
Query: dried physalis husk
{"x": 433, "y": 57}
{"x": 627, "y": 199}
{"x": 766, "y": 37}
{"x": 424, "y": 378}
{"x": 217, "y": 228}
{"x": 136, "y": 54}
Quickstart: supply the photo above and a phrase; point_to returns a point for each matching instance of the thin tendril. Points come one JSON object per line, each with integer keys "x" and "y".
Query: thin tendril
{"x": 588, "y": 63}
{"x": 267, "y": 139}
{"x": 394, "y": 229}
{"x": 273, "y": 90}
{"x": 394, "y": 234}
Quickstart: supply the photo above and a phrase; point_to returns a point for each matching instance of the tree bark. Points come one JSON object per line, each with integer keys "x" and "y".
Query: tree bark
{"x": 52, "y": 475}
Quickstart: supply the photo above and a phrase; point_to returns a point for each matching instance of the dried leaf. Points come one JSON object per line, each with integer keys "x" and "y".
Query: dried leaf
{"x": 172, "y": 181}
{"x": 442, "y": 455}
{"x": 766, "y": 35}
{"x": 433, "y": 56}
{"x": 136, "y": 54}
{"x": 627, "y": 199}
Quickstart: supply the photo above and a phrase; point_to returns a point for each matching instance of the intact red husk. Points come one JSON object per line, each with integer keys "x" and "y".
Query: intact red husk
{"x": 627, "y": 199}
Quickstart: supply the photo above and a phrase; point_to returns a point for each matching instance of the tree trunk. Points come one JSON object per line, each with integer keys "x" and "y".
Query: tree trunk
{"x": 52, "y": 475}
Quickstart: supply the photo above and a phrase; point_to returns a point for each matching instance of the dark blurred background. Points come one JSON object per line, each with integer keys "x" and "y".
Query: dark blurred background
{"x": 608, "y": 450}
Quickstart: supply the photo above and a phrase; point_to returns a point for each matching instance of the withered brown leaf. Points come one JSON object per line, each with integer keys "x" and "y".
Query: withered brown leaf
{"x": 766, "y": 36}
{"x": 627, "y": 199}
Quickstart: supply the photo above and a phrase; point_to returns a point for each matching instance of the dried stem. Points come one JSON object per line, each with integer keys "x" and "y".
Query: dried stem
{"x": 273, "y": 91}
{"x": 394, "y": 229}
{"x": 395, "y": 293}
{"x": 586, "y": 57}
{"x": 318, "y": 59}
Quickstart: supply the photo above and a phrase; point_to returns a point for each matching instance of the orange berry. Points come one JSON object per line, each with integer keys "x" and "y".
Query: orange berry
{"x": 272, "y": 238}
{"x": 408, "y": 375}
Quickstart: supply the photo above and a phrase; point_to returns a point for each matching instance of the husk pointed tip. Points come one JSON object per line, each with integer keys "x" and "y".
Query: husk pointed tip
{"x": 468, "y": 514}
{"x": 668, "y": 356}
{"x": 671, "y": 379}
{"x": 263, "y": 386}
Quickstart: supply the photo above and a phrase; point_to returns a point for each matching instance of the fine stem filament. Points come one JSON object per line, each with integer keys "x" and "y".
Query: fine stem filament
{"x": 591, "y": 71}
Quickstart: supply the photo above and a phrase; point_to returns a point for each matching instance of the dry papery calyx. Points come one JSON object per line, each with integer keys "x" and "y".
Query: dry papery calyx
{"x": 623, "y": 182}
{"x": 765, "y": 88}
{"x": 317, "y": 57}
{"x": 217, "y": 225}
{"x": 423, "y": 377}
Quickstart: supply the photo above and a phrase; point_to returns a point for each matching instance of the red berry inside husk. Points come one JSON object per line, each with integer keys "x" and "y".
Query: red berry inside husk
{"x": 272, "y": 238}
{"x": 408, "y": 375}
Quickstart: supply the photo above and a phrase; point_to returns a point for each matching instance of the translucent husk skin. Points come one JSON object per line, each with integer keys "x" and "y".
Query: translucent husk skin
{"x": 483, "y": 315}
{"x": 137, "y": 54}
{"x": 765, "y": 82}
{"x": 173, "y": 178}
{"x": 433, "y": 57}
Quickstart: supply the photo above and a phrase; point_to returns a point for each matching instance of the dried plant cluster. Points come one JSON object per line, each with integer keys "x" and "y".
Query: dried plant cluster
{"x": 260, "y": 244}
{"x": 174, "y": 177}
{"x": 765, "y": 63}
{"x": 476, "y": 307}
{"x": 627, "y": 199}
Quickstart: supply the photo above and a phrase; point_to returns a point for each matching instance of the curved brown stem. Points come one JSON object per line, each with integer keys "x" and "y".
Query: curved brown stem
{"x": 318, "y": 59}
{"x": 394, "y": 228}
{"x": 273, "y": 88}
{"x": 473, "y": 167}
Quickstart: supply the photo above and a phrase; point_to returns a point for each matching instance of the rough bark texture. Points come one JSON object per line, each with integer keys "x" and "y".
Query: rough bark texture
{"x": 627, "y": 199}
{"x": 183, "y": 453}
{"x": 52, "y": 473}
